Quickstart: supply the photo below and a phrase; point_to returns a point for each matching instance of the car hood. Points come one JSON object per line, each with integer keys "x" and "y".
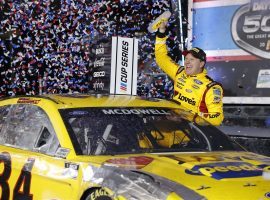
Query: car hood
{"x": 208, "y": 175}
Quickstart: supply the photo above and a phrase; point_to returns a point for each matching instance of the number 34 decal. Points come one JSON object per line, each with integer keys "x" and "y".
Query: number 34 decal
{"x": 23, "y": 180}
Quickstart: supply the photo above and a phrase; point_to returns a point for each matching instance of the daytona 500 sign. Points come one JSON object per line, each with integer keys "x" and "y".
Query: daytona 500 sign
{"x": 251, "y": 28}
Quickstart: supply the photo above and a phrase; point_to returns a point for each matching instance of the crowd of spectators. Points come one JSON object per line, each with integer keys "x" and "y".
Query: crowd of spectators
{"x": 45, "y": 46}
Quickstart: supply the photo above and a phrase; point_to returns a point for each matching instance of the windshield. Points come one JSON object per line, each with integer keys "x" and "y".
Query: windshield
{"x": 112, "y": 131}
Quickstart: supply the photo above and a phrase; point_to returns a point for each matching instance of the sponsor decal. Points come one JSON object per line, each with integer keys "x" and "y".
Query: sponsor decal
{"x": 180, "y": 69}
{"x": 120, "y": 111}
{"x": 98, "y": 85}
{"x": 99, "y": 74}
{"x": 78, "y": 112}
{"x": 216, "y": 115}
{"x": 100, "y": 50}
{"x": 62, "y": 152}
{"x": 250, "y": 27}
{"x": 179, "y": 85}
{"x": 123, "y": 86}
{"x": 195, "y": 49}
{"x": 71, "y": 170}
{"x": 188, "y": 90}
{"x": 216, "y": 99}
{"x": 183, "y": 76}
{"x": 124, "y": 65}
{"x": 28, "y": 101}
{"x": 99, "y": 194}
{"x": 227, "y": 170}
{"x": 195, "y": 87}
{"x": 123, "y": 76}
{"x": 217, "y": 91}
{"x": 213, "y": 115}
{"x": 73, "y": 96}
{"x": 263, "y": 80}
{"x": 198, "y": 82}
{"x": 182, "y": 159}
{"x": 99, "y": 62}
{"x": 181, "y": 80}
{"x": 186, "y": 99}
{"x": 72, "y": 166}
{"x": 220, "y": 157}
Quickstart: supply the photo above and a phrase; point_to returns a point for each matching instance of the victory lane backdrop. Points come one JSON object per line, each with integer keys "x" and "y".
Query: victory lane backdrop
{"x": 64, "y": 46}
{"x": 240, "y": 60}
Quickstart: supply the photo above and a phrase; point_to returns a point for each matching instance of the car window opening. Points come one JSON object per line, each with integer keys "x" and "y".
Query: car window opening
{"x": 101, "y": 131}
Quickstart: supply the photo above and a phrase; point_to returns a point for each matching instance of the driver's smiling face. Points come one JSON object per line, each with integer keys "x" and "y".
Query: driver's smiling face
{"x": 193, "y": 65}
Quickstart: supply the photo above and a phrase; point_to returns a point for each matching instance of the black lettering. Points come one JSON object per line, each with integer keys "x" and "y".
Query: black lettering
{"x": 125, "y": 46}
{"x": 124, "y": 56}
{"x": 124, "y": 79}
{"x": 124, "y": 75}
{"x": 6, "y": 160}
{"x": 25, "y": 181}
{"x": 124, "y": 64}
{"x": 125, "y": 43}
{"x": 214, "y": 115}
{"x": 186, "y": 99}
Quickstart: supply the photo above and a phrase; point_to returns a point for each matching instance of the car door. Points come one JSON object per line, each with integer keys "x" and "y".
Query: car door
{"x": 28, "y": 145}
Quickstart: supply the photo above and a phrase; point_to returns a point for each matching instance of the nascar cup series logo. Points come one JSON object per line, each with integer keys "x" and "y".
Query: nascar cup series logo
{"x": 251, "y": 27}
{"x": 124, "y": 66}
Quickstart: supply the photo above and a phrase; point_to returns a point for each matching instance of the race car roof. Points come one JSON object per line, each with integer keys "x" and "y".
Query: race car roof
{"x": 86, "y": 100}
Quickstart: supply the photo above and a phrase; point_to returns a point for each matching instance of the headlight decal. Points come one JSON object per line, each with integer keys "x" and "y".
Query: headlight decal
{"x": 136, "y": 184}
{"x": 136, "y": 162}
{"x": 127, "y": 183}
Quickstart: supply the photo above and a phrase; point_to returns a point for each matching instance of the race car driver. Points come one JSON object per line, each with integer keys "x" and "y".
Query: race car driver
{"x": 192, "y": 87}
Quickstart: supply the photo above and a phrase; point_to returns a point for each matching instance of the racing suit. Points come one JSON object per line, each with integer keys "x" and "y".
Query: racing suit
{"x": 198, "y": 93}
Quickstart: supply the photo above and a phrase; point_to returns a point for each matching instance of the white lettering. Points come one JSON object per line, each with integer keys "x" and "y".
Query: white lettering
{"x": 261, "y": 6}
{"x": 99, "y": 63}
{"x": 99, "y": 74}
{"x": 99, "y": 51}
{"x": 98, "y": 85}
{"x": 134, "y": 111}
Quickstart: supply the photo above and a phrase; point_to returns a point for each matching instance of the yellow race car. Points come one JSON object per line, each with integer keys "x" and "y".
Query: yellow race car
{"x": 102, "y": 147}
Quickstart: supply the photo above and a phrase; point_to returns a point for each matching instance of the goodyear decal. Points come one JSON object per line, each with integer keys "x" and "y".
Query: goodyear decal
{"x": 99, "y": 194}
{"x": 228, "y": 170}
